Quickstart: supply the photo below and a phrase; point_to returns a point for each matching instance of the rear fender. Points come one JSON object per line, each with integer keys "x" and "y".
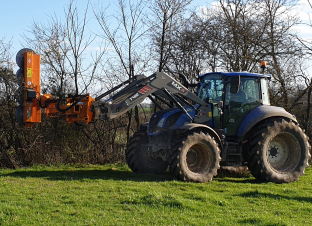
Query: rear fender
{"x": 260, "y": 113}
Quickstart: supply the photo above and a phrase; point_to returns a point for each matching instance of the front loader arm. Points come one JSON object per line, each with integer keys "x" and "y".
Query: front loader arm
{"x": 159, "y": 84}
{"x": 83, "y": 108}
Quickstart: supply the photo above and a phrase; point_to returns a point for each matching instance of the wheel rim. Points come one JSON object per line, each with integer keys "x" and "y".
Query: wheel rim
{"x": 284, "y": 152}
{"x": 198, "y": 158}
{"x": 191, "y": 157}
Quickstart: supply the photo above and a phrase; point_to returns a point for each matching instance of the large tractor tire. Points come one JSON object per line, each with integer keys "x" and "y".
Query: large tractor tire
{"x": 278, "y": 152}
{"x": 195, "y": 157}
{"x": 141, "y": 161}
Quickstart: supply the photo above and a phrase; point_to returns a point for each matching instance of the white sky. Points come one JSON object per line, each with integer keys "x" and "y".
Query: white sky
{"x": 305, "y": 13}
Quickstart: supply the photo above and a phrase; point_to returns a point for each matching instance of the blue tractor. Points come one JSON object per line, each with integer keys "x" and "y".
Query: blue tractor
{"x": 230, "y": 122}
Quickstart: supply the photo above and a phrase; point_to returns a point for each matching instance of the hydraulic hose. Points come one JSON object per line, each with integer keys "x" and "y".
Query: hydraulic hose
{"x": 76, "y": 101}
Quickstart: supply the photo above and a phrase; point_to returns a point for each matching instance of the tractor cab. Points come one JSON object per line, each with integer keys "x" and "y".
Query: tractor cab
{"x": 232, "y": 96}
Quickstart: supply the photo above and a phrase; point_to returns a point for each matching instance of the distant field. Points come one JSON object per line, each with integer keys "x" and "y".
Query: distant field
{"x": 112, "y": 195}
{"x": 145, "y": 110}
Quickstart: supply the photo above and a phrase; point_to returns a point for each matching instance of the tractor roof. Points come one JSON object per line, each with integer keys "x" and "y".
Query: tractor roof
{"x": 247, "y": 74}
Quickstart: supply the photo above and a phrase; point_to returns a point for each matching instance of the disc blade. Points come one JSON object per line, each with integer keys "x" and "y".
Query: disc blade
{"x": 20, "y": 56}
{"x": 19, "y": 114}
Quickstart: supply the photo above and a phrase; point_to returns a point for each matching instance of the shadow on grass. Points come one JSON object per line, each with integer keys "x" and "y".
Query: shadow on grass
{"x": 235, "y": 175}
{"x": 257, "y": 221}
{"x": 260, "y": 195}
{"x": 110, "y": 174}
{"x": 240, "y": 180}
{"x": 81, "y": 174}
{"x": 232, "y": 175}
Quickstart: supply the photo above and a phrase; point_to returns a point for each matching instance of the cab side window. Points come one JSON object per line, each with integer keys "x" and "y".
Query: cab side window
{"x": 251, "y": 88}
{"x": 248, "y": 93}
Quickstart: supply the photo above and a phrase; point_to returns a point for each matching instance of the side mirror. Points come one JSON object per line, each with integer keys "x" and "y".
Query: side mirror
{"x": 235, "y": 83}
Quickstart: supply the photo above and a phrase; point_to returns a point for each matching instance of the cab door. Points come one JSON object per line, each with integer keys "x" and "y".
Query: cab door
{"x": 238, "y": 105}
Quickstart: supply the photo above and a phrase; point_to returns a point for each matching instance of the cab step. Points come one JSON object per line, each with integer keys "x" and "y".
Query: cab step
{"x": 233, "y": 152}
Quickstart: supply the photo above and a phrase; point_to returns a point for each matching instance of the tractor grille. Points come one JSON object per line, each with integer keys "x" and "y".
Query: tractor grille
{"x": 171, "y": 120}
{"x": 155, "y": 119}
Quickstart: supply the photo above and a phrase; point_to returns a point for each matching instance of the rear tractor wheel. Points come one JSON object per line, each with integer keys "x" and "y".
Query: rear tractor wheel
{"x": 279, "y": 152}
{"x": 195, "y": 158}
{"x": 140, "y": 161}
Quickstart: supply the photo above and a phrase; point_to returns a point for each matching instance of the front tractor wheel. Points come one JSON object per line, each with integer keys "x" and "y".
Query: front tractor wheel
{"x": 279, "y": 152}
{"x": 195, "y": 158}
{"x": 140, "y": 161}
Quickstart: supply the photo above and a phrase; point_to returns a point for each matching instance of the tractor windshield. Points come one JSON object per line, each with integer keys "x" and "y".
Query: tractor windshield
{"x": 211, "y": 88}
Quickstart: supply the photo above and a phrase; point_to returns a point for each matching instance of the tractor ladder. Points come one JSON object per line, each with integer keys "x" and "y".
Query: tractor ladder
{"x": 233, "y": 149}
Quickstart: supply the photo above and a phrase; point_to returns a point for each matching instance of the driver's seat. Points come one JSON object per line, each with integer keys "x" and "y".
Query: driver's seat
{"x": 238, "y": 99}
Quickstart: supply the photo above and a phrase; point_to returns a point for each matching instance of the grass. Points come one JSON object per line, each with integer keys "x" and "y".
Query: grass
{"x": 113, "y": 195}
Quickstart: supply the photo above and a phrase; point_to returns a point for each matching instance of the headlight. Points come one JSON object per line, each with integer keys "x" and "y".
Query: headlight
{"x": 161, "y": 122}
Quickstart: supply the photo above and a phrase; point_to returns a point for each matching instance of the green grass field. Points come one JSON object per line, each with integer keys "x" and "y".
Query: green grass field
{"x": 113, "y": 195}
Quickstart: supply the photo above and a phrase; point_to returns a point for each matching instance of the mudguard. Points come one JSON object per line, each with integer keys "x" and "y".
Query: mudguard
{"x": 260, "y": 113}
{"x": 203, "y": 128}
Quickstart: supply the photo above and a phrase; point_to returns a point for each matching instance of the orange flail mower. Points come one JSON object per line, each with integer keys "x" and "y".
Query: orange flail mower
{"x": 76, "y": 109}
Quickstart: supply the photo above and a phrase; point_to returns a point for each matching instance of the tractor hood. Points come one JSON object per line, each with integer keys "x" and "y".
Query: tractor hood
{"x": 172, "y": 118}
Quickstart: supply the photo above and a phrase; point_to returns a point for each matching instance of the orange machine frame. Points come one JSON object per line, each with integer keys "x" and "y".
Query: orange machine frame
{"x": 34, "y": 101}
{"x": 80, "y": 113}
{"x": 32, "y": 112}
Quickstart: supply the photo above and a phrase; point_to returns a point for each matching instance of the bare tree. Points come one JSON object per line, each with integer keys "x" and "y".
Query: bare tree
{"x": 5, "y": 54}
{"x": 165, "y": 14}
{"x": 9, "y": 134}
{"x": 127, "y": 40}
{"x": 240, "y": 40}
{"x": 302, "y": 103}
{"x": 7, "y": 77}
{"x": 282, "y": 47}
{"x": 63, "y": 46}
